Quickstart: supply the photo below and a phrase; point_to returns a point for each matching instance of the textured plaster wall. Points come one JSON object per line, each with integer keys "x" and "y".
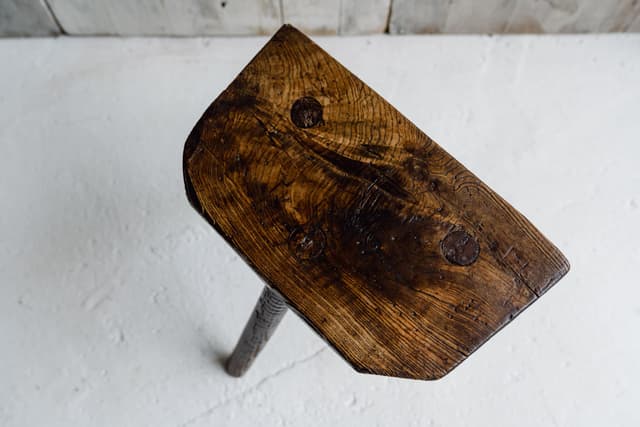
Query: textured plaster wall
{"x": 117, "y": 301}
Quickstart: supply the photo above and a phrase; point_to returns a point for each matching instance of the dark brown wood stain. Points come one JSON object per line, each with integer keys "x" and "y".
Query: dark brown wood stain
{"x": 387, "y": 246}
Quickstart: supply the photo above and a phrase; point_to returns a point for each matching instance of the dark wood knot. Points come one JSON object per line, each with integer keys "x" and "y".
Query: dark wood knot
{"x": 460, "y": 248}
{"x": 306, "y": 112}
{"x": 307, "y": 243}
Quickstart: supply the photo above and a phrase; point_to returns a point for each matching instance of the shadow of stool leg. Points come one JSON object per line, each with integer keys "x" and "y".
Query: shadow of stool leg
{"x": 266, "y": 316}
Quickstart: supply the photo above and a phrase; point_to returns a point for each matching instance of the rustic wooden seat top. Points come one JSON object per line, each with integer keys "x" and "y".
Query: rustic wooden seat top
{"x": 396, "y": 254}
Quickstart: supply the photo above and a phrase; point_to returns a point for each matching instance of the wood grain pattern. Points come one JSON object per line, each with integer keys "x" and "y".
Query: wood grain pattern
{"x": 387, "y": 246}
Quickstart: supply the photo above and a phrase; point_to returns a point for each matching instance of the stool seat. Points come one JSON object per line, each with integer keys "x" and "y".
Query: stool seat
{"x": 394, "y": 252}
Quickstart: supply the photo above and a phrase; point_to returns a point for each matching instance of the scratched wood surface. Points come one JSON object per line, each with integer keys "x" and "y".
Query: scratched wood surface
{"x": 394, "y": 252}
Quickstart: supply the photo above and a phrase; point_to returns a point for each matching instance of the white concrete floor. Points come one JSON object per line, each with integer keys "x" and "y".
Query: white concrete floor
{"x": 117, "y": 301}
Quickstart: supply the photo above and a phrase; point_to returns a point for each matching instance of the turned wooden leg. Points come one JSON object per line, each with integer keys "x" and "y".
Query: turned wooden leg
{"x": 266, "y": 316}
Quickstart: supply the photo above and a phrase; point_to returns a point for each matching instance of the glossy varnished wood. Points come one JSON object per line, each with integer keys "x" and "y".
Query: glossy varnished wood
{"x": 387, "y": 246}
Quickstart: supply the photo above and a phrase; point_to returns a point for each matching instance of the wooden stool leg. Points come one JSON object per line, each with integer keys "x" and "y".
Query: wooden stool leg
{"x": 267, "y": 314}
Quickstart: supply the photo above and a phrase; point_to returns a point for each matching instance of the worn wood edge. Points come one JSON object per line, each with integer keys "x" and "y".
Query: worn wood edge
{"x": 192, "y": 197}
{"x": 194, "y": 139}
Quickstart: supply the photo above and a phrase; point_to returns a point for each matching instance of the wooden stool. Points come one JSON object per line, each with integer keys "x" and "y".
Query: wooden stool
{"x": 397, "y": 255}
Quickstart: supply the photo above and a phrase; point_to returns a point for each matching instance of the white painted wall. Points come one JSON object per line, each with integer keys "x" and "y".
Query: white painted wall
{"x": 26, "y": 18}
{"x": 160, "y": 17}
{"x": 337, "y": 16}
{"x": 510, "y": 16}
{"x": 117, "y": 301}
{"x": 251, "y": 17}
